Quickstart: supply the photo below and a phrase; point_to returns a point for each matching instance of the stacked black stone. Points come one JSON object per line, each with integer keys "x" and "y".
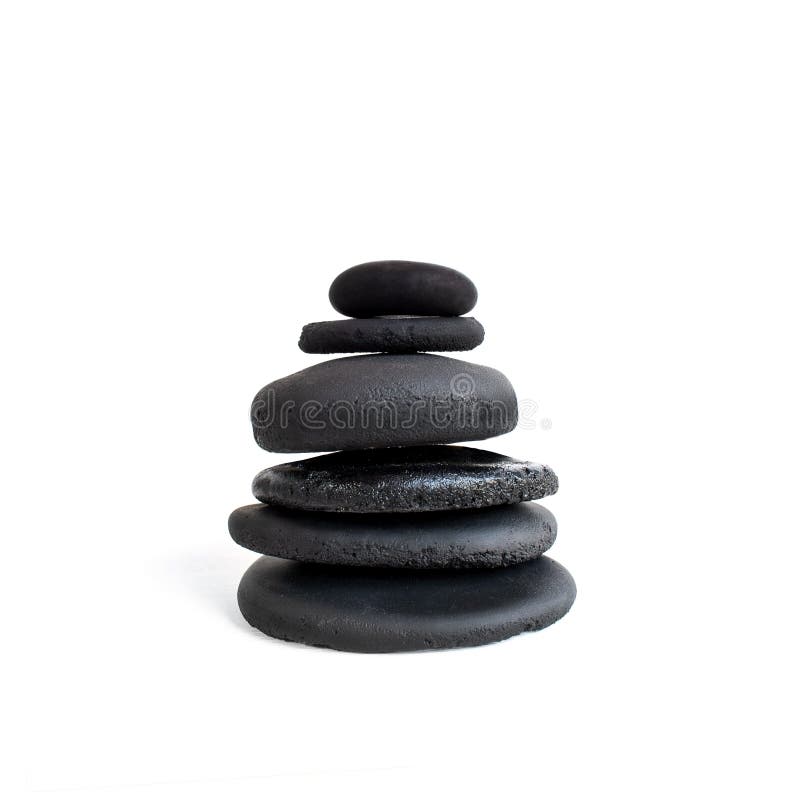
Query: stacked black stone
{"x": 398, "y": 541}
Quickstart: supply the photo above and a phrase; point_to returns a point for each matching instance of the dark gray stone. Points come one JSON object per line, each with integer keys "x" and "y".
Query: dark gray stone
{"x": 384, "y": 288}
{"x": 490, "y": 537}
{"x": 404, "y": 479}
{"x": 385, "y": 400}
{"x": 392, "y": 335}
{"x": 386, "y": 610}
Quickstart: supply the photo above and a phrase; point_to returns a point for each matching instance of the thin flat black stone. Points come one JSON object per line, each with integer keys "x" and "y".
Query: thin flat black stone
{"x": 490, "y": 537}
{"x": 392, "y": 335}
{"x": 404, "y": 479}
{"x": 383, "y": 400}
{"x": 383, "y": 611}
{"x": 385, "y": 288}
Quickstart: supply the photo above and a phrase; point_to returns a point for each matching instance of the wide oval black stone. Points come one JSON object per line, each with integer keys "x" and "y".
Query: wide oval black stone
{"x": 490, "y": 537}
{"x": 384, "y": 288}
{"x": 383, "y": 401}
{"x": 390, "y": 610}
{"x": 392, "y": 335}
{"x": 404, "y": 479}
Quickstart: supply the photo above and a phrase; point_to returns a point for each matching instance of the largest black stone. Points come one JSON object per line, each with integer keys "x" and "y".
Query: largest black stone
{"x": 383, "y": 401}
{"x": 370, "y": 610}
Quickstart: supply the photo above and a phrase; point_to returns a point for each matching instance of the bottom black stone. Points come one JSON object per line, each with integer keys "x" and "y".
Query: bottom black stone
{"x": 391, "y": 610}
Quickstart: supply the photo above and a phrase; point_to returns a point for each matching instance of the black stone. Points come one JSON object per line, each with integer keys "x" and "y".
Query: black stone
{"x": 384, "y": 288}
{"x": 392, "y": 335}
{"x": 490, "y": 537}
{"x": 383, "y": 401}
{"x": 381, "y": 611}
{"x": 404, "y": 479}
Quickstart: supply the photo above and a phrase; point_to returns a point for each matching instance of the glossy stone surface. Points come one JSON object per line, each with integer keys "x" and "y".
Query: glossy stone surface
{"x": 404, "y": 479}
{"x": 383, "y": 401}
{"x": 386, "y": 610}
{"x": 392, "y": 335}
{"x": 385, "y": 288}
{"x": 490, "y": 537}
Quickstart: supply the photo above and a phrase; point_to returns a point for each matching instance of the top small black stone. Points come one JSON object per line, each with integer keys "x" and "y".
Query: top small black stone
{"x": 387, "y": 288}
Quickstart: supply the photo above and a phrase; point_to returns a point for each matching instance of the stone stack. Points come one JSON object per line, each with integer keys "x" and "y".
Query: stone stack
{"x": 396, "y": 539}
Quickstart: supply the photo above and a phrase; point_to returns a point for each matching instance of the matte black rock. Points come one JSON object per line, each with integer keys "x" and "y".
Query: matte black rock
{"x": 392, "y": 335}
{"x": 384, "y": 288}
{"x": 383, "y": 401}
{"x": 490, "y": 537}
{"x": 381, "y": 611}
{"x": 404, "y": 479}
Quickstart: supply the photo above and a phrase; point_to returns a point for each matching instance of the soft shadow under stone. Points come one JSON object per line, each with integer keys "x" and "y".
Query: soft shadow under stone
{"x": 386, "y": 610}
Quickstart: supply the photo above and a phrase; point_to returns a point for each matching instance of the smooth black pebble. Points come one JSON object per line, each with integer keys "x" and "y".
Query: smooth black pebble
{"x": 392, "y": 335}
{"x": 436, "y": 478}
{"x": 490, "y": 537}
{"x": 385, "y": 288}
{"x": 384, "y": 400}
{"x": 383, "y": 611}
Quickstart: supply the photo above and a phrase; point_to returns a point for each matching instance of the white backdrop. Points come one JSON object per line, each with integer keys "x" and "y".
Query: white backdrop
{"x": 182, "y": 181}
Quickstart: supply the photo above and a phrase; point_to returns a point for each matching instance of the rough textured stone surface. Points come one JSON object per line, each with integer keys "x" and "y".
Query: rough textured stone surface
{"x": 383, "y": 401}
{"x": 404, "y": 479}
{"x": 490, "y": 537}
{"x": 386, "y": 610}
{"x": 392, "y": 335}
{"x": 382, "y": 288}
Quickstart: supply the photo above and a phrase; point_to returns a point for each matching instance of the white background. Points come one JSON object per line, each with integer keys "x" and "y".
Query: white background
{"x": 180, "y": 183}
